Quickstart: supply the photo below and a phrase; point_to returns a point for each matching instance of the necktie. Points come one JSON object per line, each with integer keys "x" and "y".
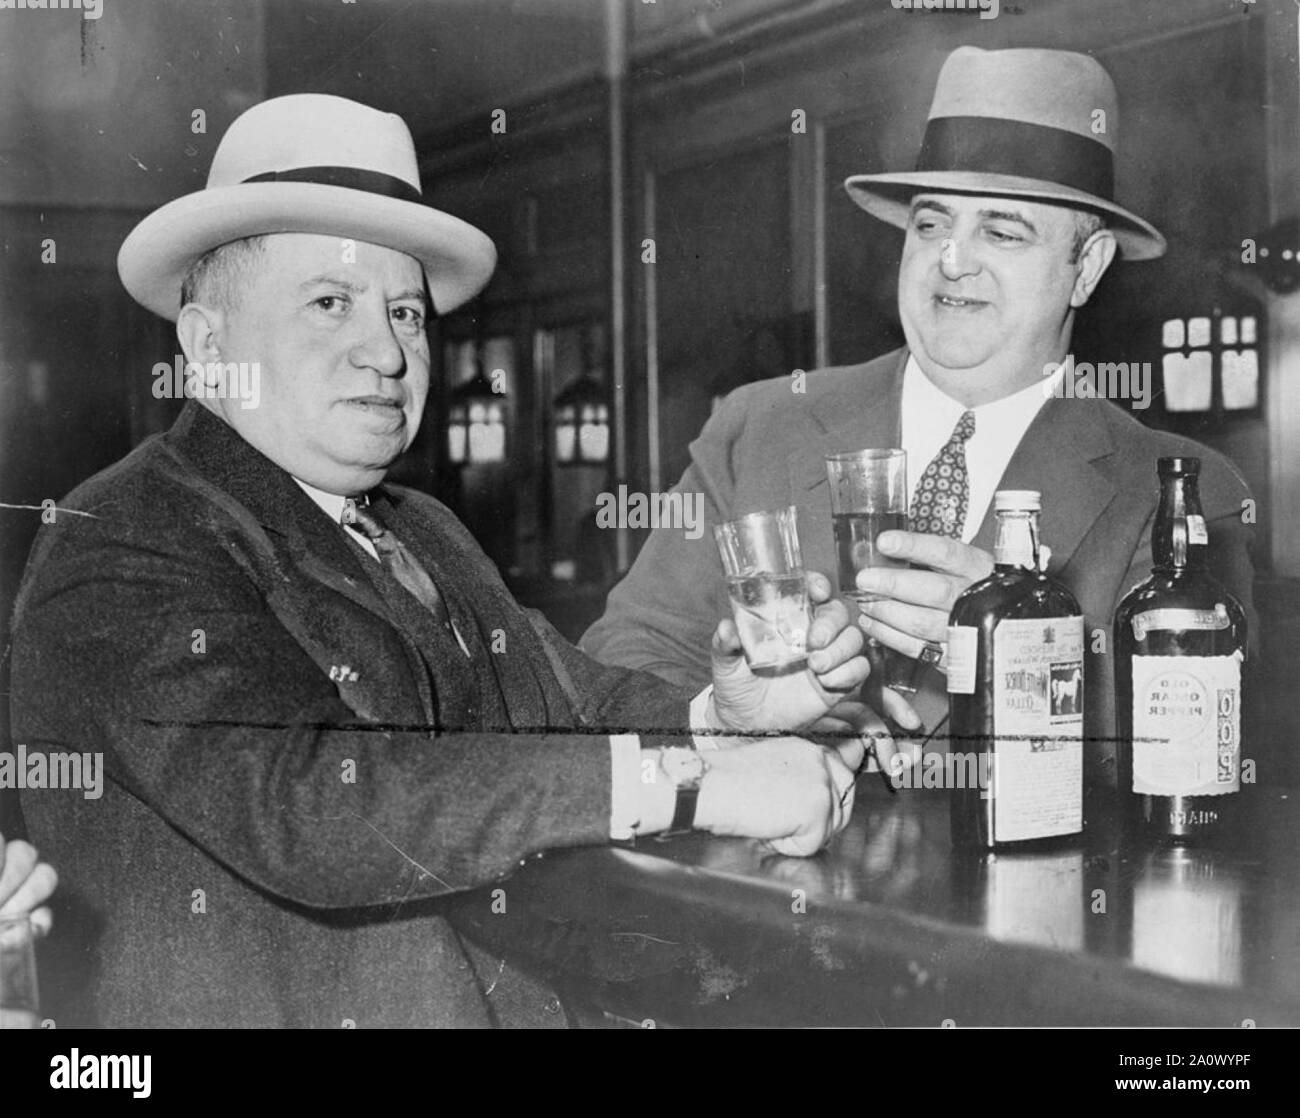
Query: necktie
{"x": 943, "y": 491}
{"x": 398, "y": 561}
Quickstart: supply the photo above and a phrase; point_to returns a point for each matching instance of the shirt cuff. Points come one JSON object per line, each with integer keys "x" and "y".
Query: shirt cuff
{"x": 625, "y": 775}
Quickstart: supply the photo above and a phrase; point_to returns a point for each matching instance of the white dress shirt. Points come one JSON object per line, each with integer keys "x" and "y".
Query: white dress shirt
{"x": 929, "y": 417}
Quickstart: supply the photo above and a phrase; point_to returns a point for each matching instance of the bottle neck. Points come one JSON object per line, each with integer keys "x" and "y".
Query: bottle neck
{"x": 1016, "y": 545}
{"x": 1178, "y": 538}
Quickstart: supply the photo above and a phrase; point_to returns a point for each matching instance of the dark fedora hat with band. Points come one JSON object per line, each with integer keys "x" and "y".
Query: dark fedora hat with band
{"x": 308, "y": 163}
{"x": 1034, "y": 124}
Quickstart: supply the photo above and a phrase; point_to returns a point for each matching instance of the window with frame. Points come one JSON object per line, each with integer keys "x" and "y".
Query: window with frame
{"x": 1210, "y": 364}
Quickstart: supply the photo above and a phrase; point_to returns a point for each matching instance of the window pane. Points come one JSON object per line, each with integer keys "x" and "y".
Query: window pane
{"x": 1228, "y": 330}
{"x": 1198, "y": 332}
{"x": 1240, "y": 379}
{"x": 1248, "y": 330}
{"x": 487, "y": 442}
{"x": 564, "y": 440}
{"x": 1172, "y": 334}
{"x": 1188, "y": 381}
{"x": 456, "y": 443}
{"x": 594, "y": 440}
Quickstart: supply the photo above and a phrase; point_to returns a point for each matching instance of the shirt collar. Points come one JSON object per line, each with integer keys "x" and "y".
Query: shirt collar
{"x": 329, "y": 503}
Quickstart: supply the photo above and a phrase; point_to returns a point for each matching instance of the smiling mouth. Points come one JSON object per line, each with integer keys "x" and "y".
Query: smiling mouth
{"x": 960, "y": 304}
{"x": 376, "y": 402}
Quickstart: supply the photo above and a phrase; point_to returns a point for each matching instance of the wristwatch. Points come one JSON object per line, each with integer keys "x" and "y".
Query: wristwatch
{"x": 685, "y": 768}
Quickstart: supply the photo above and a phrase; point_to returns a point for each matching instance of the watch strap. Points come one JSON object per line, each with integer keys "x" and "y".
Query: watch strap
{"x": 684, "y": 813}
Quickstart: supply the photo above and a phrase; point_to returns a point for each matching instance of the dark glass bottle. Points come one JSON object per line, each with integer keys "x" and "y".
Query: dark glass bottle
{"x": 1015, "y": 693}
{"x": 1180, "y": 641}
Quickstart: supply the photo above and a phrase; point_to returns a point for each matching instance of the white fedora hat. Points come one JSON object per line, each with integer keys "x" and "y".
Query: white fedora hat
{"x": 308, "y": 163}
{"x": 1035, "y": 124}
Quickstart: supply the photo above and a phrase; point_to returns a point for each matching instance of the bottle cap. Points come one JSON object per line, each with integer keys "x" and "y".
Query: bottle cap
{"x": 1178, "y": 467}
{"x": 1017, "y": 500}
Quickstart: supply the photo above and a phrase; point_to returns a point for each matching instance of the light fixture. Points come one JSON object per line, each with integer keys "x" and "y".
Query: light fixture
{"x": 476, "y": 422}
{"x": 582, "y": 423}
{"x": 582, "y": 411}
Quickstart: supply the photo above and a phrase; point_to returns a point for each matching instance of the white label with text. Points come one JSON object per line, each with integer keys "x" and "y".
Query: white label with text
{"x": 1186, "y": 725}
{"x": 1038, "y": 728}
{"x": 963, "y": 649}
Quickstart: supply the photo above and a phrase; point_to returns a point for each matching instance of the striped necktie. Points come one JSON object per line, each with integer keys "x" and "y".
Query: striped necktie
{"x": 943, "y": 491}
{"x": 397, "y": 560}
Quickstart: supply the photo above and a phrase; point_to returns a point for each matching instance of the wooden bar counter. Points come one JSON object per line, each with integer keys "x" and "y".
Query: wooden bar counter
{"x": 891, "y": 927}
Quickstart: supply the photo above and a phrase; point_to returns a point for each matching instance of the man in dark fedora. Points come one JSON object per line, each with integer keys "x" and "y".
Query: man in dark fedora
{"x": 319, "y": 709}
{"x": 1010, "y": 223}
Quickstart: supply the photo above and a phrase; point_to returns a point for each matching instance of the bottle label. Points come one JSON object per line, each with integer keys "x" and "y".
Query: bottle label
{"x": 1038, "y": 728}
{"x": 963, "y": 650}
{"x": 1186, "y": 725}
{"x": 1180, "y": 620}
{"x": 1196, "y": 532}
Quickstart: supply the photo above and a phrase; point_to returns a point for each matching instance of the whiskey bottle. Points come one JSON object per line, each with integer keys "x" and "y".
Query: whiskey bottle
{"x": 1015, "y": 693}
{"x": 1180, "y": 641}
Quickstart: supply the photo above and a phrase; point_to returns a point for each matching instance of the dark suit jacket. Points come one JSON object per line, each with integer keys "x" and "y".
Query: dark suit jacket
{"x": 296, "y": 768}
{"x": 764, "y": 449}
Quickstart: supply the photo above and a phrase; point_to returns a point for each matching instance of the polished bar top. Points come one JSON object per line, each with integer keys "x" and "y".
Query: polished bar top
{"x": 890, "y": 926}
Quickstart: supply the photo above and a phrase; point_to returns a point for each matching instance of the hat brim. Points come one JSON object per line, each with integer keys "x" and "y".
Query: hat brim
{"x": 889, "y": 198}
{"x": 457, "y": 258}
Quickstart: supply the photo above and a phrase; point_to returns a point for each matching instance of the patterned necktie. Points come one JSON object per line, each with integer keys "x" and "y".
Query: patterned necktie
{"x": 397, "y": 560}
{"x": 943, "y": 492}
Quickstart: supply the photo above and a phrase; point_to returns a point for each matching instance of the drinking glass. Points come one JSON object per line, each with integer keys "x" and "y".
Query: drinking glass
{"x": 868, "y": 496}
{"x": 766, "y": 585}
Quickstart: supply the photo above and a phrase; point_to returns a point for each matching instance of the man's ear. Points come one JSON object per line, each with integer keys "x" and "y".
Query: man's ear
{"x": 1097, "y": 253}
{"x": 198, "y": 329}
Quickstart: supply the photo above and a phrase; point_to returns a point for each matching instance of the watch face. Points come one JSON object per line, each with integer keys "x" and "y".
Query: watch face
{"x": 684, "y": 767}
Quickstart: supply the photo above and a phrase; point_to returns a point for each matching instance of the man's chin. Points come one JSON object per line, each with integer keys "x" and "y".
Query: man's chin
{"x": 956, "y": 358}
{"x": 359, "y": 464}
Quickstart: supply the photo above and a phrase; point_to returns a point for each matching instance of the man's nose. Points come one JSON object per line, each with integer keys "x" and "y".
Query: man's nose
{"x": 379, "y": 348}
{"x": 957, "y": 258}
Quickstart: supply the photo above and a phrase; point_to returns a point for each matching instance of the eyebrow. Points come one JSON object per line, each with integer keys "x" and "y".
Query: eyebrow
{"x": 354, "y": 288}
{"x": 332, "y": 281}
{"x": 996, "y": 215}
{"x": 1010, "y": 215}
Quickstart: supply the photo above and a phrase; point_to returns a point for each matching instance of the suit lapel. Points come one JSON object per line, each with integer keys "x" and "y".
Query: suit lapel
{"x": 1059, "y": 456}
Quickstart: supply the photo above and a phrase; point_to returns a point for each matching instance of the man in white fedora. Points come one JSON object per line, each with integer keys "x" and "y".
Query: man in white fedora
{"x": 1011, "y": 222}
{"x": 318, "y": 707}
